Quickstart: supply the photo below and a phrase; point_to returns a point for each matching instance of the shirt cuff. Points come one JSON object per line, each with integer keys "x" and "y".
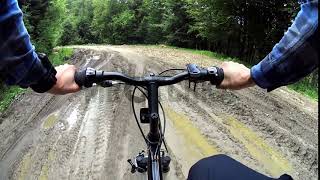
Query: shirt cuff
{"x": 258, "y": 77}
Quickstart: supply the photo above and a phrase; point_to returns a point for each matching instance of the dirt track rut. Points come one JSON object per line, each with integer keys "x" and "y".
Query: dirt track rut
{"x": 91, "y": 134}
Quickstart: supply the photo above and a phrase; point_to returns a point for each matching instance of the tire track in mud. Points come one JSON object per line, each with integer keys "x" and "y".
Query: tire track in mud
{"x": 304, "y": 156}
{"x": 132, "y": 143}
{"x": 277, "y": 134}
{"x": 218, "y": 132}
{"x": 83, "y": 153}
{"x": 284, "y": 140}
{"x": 179, "y": 100}
{"x": 119, "y": 149}
{"x": 236, "y": 105}
{"x": 30, "y": 134}
{"x": 64, "y": 144}
{"x": 270, "y": 130}
{"x": 302, "y": 144}
{"x": 106, "y": 112}
{"x": 94, "y": 146}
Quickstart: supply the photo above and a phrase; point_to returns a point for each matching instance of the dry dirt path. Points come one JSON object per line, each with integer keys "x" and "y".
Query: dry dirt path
{"x": 91, "y": 134}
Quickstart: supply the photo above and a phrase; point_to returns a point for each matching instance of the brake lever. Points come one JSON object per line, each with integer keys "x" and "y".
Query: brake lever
{"x": 194, "y": 73}
{"x": 109, "y": 83}
{"x": 194, "y": 87}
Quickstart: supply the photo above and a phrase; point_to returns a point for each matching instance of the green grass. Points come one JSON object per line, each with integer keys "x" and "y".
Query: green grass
{"x": 60, "y": 57}
{"x": 305, "y": 89}
{"x": 210, "y": 54}
{"x": 8, "y": 94}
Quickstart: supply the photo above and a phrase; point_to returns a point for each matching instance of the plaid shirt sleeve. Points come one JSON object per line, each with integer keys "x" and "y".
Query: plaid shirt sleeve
{"x": 296, "y": 55}
{"x": 19, "y": 64}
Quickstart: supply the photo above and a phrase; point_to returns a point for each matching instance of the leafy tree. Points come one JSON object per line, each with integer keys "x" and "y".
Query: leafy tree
{"x": 69, "y": 34}
{"x": 152, "y": 26}
{"x": 176, "y": 23}
{"x": 44, "y": 21}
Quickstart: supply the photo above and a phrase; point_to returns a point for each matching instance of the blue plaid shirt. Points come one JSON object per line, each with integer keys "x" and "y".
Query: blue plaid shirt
{"x": 296, "y": 55}
{"x": 19, "y": 64}
{"x": 292, "y": 58}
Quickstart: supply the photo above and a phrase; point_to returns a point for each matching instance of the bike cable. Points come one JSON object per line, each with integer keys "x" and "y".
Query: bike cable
{"x": 135, "y": 115}
{"x": 162, "y": 131}
{"x": 164, "y": 126}
{"x": 164, "y": 121}
{"x": 171, "y": 70}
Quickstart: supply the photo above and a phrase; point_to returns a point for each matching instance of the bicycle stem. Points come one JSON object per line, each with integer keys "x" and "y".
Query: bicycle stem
{"x": 154, "y": 134}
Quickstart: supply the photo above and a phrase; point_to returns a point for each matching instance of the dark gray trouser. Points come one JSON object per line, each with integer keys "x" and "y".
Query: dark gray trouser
{"x": 222, "y": 167}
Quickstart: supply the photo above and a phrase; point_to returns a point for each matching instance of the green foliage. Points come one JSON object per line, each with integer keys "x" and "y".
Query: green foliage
{"x": 60, "y": 57}
{"x": 218, "y": 56}
{"x": 151, "y": 26}
{"x": 176, "y": 23}
{"x": 305, "y": 89}
{"x": 44, "y": 20}
{"x": 308, "y": 85}
{"x": 105, "y": 16}
{"x": 8, "y": 94}
{"x": 243, "y": 30}
{"x": 50, "y": 27}
{"x": 81, "y": 16}
{"x": 69, "y": 34}
{"x": 121, "y": 25}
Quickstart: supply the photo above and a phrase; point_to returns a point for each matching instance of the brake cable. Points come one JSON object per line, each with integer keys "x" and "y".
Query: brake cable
{"x": 162, "y": 132}
{"x": 171, "y": 70}
{"x": 135, "y": 115}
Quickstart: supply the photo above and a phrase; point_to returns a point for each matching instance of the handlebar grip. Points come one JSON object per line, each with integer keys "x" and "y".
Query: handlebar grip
{"x": 80, "y": 77}
{"x": 220, "y": 76}
{"x": 216, "y": 75}
{"x": 88, "y": 77}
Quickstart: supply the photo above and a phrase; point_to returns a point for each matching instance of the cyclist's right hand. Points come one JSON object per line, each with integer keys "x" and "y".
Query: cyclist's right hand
{"x": 236, "y": 76}
{"x": 65, "y": 80}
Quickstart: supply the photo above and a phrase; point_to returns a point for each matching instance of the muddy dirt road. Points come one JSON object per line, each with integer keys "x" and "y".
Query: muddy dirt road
{"x": 91, "y": 134}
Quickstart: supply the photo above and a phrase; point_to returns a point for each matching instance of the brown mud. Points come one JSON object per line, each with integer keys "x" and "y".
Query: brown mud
{"x": 92, "y": 133}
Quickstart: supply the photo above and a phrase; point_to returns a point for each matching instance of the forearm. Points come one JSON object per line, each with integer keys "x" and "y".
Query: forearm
{"x": 295, "y": 55}
{"x": 19, "y": 64}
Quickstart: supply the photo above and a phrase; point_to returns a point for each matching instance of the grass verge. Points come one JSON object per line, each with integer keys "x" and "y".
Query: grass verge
{"x": 8, "y": 94}
{"x": 60, "y": 56}
{"x": 305, "y": 89}
{"x": 210, "y": 54}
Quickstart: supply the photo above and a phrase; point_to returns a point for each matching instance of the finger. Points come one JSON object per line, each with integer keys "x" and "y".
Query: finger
{"x": 221, "y": 86}
{"x": 75, "y": 87}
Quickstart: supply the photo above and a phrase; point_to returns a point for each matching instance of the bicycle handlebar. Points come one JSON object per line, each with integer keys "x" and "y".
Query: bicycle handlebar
{"x": 193, "y": 73}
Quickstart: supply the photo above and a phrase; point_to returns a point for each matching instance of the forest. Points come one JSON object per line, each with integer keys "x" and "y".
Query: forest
{"x": 242, "y": 29}
{"x": 246, "y": 29}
